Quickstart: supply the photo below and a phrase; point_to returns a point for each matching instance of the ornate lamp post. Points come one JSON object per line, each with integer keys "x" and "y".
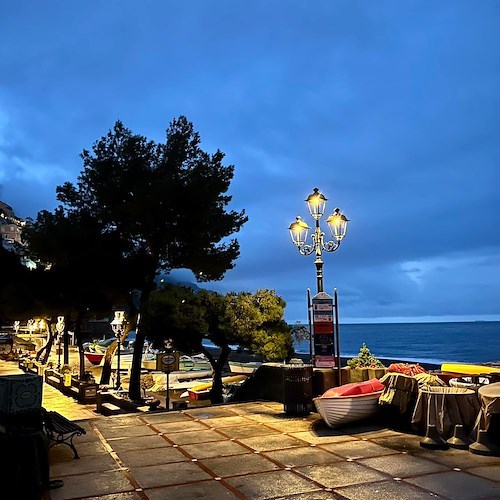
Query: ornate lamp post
{"x": 118, "y": 325}
{"x": 337, "y": 223}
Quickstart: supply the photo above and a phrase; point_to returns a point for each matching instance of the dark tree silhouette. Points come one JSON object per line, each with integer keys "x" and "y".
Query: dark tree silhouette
{"x": 165, "y": 202}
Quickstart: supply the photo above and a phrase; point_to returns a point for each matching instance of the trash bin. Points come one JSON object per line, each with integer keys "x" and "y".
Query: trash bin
{"x": 24, "y": 456}
{"x": 297, "y": 389}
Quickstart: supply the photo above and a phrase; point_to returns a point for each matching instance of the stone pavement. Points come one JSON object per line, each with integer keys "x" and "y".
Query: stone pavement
{"x": 255, "y": 451}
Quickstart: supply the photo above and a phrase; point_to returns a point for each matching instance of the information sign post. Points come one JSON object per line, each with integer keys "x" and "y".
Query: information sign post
{"x": 324, "y": 340}
{"x": 167, "y": 362}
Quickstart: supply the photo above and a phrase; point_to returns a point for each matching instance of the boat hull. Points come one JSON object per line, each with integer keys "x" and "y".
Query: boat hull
{"x": 345, "y": 409}
{"x": 467, "y": 369}
{"x": 202, "y": 391}
{"x": 94, "y": 357}
{"x": 243, "y": 368}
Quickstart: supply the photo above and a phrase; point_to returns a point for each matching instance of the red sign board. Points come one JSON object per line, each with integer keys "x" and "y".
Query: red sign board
{"x": 324, "y": 361}
{"x": 322, "y": 309}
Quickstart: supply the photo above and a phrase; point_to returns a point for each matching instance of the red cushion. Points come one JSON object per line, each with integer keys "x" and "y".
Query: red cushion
{"x": 367, "y": 387}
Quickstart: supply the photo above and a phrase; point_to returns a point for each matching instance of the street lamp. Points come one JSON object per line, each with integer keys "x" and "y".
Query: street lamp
{"x": 337, "y": 222}
{"x": 60, "y": 325}
{"x": 118, "y": 325}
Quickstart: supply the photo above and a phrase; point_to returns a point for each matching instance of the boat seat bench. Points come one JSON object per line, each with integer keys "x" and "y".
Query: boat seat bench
{"x": 60, "y": 430}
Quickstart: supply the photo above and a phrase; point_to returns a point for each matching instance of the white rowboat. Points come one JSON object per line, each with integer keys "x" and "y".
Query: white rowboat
{"x": 341, "y": 410}
{"x": 243, "y": 368}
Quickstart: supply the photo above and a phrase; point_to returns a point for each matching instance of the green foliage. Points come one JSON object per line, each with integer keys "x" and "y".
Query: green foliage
{"x": 365, "y": 359}
{"x": 257, "y": 321}
{"x": 249, "y": 320}
{"x": 252, "y": 320}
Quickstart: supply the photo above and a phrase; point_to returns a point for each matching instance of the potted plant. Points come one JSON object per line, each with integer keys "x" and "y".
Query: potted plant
{"x": 66, "y": 373}
{"x": 365, "y": 366}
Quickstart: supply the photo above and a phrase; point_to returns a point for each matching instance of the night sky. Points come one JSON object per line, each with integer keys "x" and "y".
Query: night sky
{"x": 390, "y": 108}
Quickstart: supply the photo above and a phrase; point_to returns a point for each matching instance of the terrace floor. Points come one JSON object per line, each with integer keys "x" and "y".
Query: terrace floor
{"x": 253, "y": 450}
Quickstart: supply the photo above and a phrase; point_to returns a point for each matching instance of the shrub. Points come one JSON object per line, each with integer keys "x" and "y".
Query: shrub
{"x": 365, "y": 359}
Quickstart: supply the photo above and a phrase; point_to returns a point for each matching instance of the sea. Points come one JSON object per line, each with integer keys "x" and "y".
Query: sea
{"x": 436, "y": 343}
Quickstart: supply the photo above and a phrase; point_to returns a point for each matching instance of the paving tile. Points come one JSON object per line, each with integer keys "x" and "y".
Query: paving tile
{"x": 196, "y": 437}
{"x": 125, "y": 432}
{"x": 172, "y": 427}
{"x": 168, "y": 474}
{"x": 119, "y": 421}
{"x": 271, "y": 442}
{"x": 492, "y": 472}
{"x": 90, "y": 448}
{"x": 271, "y": 484}
{"x": 378, "y": 434}
{"x": 210, "y": 412}
{"x": 462, "y": 459}
{"x": 401, "y": 442}
{"x": 166, "y": 417}
{"x": 238, "y": 465}
{"x": 406, "y": 466}
{"x": 457, "y": 485}
{"x": 341, "y": 474}
{"x": 210, "y": 490}
{"x": 83, "y": 465}
{"x": 89, "y": 485}
{"x": 313, "y": 438}
{"x": 262, "y": 416}
{"x": 312, "y": 495}
{"x": 132, "y": 495}
{"x": 292, "y": 425}
{"x": 140, "y": 458}
{"x": 214, "y": 449}
{"x": 294, "y": 457}
{"x": 386, "y": 489}
{"x": 357, "y": 449}
{"x": 227, "y": 421}
{"x": 252, "y": 430}
{"x": 138, "y": 443}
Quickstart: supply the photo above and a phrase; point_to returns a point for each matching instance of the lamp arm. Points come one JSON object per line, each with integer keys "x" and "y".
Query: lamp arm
{"x": 306, "y": 249}
{"x": 330, "y": 246}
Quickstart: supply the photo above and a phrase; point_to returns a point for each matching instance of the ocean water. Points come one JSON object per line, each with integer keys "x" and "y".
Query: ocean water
{"x": 471, "y": 342}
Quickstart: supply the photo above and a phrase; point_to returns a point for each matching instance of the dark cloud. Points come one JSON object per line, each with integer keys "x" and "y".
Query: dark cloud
{"x": 391, "y": 110}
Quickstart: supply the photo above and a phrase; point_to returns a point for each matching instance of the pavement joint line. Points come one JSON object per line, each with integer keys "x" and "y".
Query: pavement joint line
{"x": 118, "y": 461}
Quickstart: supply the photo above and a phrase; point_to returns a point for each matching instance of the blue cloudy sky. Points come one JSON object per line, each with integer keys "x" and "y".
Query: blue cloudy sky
{"x": 391, "y": 108}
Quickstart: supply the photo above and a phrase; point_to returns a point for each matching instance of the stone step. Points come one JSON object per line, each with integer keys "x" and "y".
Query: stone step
{"x": 109, "y": 409}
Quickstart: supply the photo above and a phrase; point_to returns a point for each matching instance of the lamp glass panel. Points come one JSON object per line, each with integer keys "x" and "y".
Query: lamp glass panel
{"x": 338, "y": 225}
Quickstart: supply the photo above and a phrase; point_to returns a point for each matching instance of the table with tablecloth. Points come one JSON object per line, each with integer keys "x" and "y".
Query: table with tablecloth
{"x": 489, "y": 396}
{"x": 446, "y": 407}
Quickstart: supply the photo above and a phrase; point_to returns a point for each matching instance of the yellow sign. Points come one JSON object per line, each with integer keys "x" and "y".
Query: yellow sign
{"x": 167, "y": 362}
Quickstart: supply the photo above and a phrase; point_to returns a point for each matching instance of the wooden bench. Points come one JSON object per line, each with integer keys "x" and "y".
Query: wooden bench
{"x": 60, "y": 430}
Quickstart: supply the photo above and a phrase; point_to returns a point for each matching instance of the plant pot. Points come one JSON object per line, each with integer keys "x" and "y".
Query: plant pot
{"x": 376, "y": 372}
{"x": 359, "y": 374}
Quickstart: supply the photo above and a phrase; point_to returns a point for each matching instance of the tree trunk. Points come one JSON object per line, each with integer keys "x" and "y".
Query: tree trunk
{"x": 218, "y": 366}
{"x": 44, "y": 353}
{"x": 79, "y": 342}
{"x": 134, "y": 388}
{"x": 108, "y": 358}
{"x": 66, "y": 340}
